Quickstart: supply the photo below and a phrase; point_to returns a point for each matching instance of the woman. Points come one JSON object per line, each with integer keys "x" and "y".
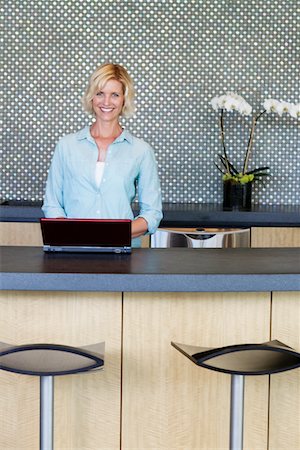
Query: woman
{"x": 96, "y": 172}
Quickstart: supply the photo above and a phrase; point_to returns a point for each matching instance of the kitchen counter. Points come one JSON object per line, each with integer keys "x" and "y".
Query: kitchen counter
{"x": 183, "y": 215}
{"x": 153, "y": 270}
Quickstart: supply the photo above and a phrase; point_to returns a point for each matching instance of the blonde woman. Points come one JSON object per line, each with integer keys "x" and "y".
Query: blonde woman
{"x": 96, "y": 172}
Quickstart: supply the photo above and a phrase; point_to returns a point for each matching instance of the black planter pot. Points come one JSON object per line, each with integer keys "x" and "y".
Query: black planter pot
{"x": 237, "y": 196}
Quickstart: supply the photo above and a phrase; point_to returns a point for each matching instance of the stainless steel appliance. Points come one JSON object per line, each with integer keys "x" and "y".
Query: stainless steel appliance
{"x": 201, "y": 237}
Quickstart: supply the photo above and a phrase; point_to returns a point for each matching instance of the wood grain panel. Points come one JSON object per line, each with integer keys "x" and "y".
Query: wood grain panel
{"x": 275, "y": 237}
{"x": 285, "y": 387}
{"x": 170, "y": 403}
{"x": 145, "y": 241}
{"x": 87, "y": 406}
{"x": 20, "y": 233}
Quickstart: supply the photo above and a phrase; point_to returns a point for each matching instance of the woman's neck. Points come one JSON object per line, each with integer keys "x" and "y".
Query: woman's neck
{"x": 106, "y": 130}
{"x": 104, "y": 135}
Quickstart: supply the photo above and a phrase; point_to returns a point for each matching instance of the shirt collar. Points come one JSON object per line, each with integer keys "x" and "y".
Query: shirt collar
{"x": 85, "y": 134}
{"x": 125, "y": 136}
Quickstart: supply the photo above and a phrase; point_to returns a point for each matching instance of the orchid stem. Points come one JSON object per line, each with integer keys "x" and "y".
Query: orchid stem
{"x": 250, "y": 141}
{"x": 223, "y": 140}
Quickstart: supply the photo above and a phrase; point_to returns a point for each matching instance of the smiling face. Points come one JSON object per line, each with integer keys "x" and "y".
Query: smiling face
{"x": 108, "y": 101}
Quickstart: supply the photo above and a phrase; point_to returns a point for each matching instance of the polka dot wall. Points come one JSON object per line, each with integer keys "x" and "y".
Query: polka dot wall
{"x": 180, "y": 53}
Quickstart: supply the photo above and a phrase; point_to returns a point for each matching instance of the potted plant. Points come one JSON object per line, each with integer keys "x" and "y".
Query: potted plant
{"x": 237, "y": 183}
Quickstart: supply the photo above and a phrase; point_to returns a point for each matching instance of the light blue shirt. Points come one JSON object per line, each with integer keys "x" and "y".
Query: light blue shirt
{"x": 130, "y": 169}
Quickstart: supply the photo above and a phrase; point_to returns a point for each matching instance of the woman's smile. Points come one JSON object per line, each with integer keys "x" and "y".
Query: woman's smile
{"x": 109, "y": 100}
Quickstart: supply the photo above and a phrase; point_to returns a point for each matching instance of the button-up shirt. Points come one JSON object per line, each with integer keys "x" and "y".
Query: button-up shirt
{"x": 130, "y": 169}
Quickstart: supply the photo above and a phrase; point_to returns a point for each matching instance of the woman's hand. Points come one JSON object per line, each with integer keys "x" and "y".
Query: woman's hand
{"x": 138, "y": 227}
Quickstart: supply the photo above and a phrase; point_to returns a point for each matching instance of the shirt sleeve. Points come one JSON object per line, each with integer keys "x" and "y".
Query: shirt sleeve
{"x": 149, "y": 192}
{"x": 53, "y": 205}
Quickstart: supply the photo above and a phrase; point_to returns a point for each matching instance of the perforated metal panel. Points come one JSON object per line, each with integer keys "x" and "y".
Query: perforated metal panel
{"x": 180, "y": 54}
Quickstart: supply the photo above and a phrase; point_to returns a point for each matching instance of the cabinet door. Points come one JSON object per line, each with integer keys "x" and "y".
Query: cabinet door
{"x": 275, "y": 237}
{"x": 169, "y": 402}
{"x": 86, "y": 406}
{"x": 20, "y": 233}
{"x": 285, "y": 387}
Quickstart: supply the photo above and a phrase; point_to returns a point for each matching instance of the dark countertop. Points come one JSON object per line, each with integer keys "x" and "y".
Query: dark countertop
{"x": 153, "y": 270}
{"x": 184, "y": 215}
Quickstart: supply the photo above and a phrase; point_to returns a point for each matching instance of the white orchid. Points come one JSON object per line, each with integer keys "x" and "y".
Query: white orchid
{"x": 280, "y": 107}
{"x": 271, "y": 105}
{"x": 231, "y": 102}
{"x": 234, "y": 102}
{"x": 215, "y": 103}
{"x": 295, "y": 110}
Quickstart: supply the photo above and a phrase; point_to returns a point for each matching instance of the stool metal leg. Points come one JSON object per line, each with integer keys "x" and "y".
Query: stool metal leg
{"x": 237, "y": 412}
{"x": 46, "y": 412}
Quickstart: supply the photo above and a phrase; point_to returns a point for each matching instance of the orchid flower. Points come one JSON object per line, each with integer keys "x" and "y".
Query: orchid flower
{"x": 280, "y": 107}
{"x": 234, "y": 102}
{"x": 231, "y": 102}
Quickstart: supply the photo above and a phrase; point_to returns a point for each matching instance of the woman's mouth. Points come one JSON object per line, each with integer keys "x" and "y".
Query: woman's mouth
{"x": 106, "y": 110}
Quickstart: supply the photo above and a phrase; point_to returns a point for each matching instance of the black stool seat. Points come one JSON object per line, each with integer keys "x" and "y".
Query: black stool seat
{"x": 50, "y": 359}
{"x": 238, "y": 361}
{"x": 244, "y": 359}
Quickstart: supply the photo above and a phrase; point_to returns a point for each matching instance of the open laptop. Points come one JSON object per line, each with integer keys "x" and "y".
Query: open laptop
{"x": 86, "y": 235}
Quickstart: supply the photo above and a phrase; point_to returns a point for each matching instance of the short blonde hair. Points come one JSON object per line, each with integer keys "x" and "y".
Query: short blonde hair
{"x": 99, "y": 77}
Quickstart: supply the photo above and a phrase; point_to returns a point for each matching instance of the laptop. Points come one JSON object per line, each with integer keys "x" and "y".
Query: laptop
{"x": 86, "y": 235}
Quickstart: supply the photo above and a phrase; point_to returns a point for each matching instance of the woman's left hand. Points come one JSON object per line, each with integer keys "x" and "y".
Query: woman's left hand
{"x": 139, "y": 227}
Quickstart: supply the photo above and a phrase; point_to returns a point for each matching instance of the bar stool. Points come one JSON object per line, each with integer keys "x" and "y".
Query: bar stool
{"x": 238, "y": 361}
{"x": 47, "y": 361}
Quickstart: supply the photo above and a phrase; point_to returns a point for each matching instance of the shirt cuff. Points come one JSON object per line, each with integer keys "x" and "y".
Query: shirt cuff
{"x": 152, "y": 222}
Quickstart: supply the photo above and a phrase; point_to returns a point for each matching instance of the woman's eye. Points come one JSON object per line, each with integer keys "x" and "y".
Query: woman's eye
{"x": 99, "y": 94}
{"x": 115, "y": 94}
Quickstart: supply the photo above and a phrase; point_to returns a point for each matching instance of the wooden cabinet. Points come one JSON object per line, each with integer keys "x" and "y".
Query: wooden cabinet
{"x": 86, "y": 406}
{"x": 149, "y": 396}
{"x": 29, "y": 233}
{"x": 275, "y": 237}
{"x": 285, "y": 387}
{"x": 169, "y": 402}
{"x": 20, "y": 233}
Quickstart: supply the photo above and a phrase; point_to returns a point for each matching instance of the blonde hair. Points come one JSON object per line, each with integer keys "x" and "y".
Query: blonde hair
{"x": 97, "y": 80}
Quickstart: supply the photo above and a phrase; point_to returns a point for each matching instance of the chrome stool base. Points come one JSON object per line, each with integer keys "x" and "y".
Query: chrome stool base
{"x": 46, "y": 412}
{"x": 237, "y": 412}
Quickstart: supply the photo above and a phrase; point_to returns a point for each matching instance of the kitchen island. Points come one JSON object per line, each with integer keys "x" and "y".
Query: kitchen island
{"x": 149, "y": 396}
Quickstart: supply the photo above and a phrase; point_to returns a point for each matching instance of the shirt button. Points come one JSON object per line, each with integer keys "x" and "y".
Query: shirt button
{"x": 98, "y": 212}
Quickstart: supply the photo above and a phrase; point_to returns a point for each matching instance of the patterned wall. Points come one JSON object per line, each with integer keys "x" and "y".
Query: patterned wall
{"x": 180, "y": 53}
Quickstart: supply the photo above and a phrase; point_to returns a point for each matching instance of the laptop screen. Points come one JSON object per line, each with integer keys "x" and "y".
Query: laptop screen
{"x": 94, "y": 235}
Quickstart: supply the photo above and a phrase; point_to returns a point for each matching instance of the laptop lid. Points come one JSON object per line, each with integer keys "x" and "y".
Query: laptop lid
{"x": 86, "y": 235}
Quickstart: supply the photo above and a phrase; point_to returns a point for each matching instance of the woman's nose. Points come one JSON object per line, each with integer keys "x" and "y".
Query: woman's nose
{"x": 105, "y": 100}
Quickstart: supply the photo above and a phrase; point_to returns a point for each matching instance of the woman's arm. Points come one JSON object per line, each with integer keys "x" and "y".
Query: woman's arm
{"x": 53, "y": 199}
{"x": 139, "y": 227}
{"x": 149, "y": 193}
